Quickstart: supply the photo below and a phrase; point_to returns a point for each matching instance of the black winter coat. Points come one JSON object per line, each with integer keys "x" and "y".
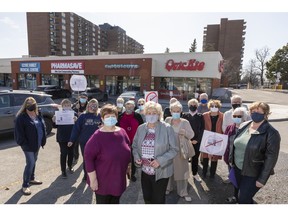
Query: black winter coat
{"x": 261, "y": 153}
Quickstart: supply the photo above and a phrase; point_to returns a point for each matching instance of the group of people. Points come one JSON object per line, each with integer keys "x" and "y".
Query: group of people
{"x": 116, "y": 140}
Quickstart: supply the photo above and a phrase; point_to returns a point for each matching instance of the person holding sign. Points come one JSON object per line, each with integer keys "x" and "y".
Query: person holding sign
{"x": 213, "y": 121}
{"x": 62, "y": 137}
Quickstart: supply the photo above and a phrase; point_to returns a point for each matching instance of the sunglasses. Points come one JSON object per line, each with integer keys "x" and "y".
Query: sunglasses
{"x": 140, "y": 104}
{"x": 237, "y": 116}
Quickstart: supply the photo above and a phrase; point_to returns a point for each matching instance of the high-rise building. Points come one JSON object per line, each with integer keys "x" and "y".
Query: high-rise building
{"x": 68, "y": 34}
{"x": 228, "y": 38}
{"x": 114, "y": 39}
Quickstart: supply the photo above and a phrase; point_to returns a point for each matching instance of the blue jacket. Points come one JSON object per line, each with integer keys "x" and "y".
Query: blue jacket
{"x": 84, "y": 127}
{"x": 25, "y": 133}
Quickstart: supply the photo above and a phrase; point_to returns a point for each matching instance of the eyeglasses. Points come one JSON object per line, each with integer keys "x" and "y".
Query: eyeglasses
{"x": 140, "y": 104}
{"x": 237, "y": 116}
{"x": 214, "y": 106}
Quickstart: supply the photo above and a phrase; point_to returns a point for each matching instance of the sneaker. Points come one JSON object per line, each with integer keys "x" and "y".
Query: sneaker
{"x": 197, "y": 178}
{"x": 231, "y": 199}
{"x": 26, "y": 191}
{"x": 64, "y": 175}
{"x": 35, "y": 182}
{"x": 71, "y": 170}
{"x": 188, "y": 199}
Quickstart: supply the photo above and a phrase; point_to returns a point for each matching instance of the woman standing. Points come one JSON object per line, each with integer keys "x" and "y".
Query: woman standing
{"x": 255, "y": 152}
{"x": 213, "y": 121}
{"x": 107, "y": 155}
{"x": 197, "y": 123}
{"x": 140, "y": 110}
{"x": 181, "y": 127}
{"x": 154, "y": 147}
{"x": 84, "y": 127}
{"x": 30, "y": 134}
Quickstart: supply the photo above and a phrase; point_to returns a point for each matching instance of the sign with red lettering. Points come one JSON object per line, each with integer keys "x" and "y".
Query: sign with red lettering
{"x": 190, "y": 65}
{"x": 69, "y": 67}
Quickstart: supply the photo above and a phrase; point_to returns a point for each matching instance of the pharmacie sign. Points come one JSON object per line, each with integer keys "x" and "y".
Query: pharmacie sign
{"x": 30, "y": 67}
{"x": 190, "y": 65}
{"x": 75, "y": 67}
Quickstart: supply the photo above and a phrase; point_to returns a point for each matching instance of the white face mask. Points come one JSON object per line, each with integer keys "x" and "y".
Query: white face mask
{"x": 214, "y": 109}
{"x": 151, "y": 118}
{"x": 120, "y": 105}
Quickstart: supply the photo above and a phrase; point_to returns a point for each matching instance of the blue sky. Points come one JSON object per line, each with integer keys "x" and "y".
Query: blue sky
{"x": 157, "y": 30}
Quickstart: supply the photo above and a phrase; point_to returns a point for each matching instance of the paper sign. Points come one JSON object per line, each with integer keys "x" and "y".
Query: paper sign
{"x": 78, "y": 83}
{"x": 64, "y": 117}
{"x": 213, "y": 143}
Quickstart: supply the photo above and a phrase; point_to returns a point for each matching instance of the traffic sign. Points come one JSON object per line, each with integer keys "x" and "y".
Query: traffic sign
{"x": 151, "y": 96}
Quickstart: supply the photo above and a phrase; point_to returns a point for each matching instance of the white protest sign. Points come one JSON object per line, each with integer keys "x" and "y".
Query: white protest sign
{"x": 64, "y": 117}
{"x": 78, "y": 83}
{"x": 151, "y": 96}
{"x": 213, "y": 143}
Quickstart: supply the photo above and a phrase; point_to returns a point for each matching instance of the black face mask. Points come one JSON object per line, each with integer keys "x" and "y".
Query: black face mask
{"x": 31, "y": 107}
{"x": 192, "y": 108}
{"x": 236, "y": 106}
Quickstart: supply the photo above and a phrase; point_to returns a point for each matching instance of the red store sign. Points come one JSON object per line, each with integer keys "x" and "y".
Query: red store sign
{"x": 190, "y": 65}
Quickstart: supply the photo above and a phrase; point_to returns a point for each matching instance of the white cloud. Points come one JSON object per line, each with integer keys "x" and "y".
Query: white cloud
{"x": 8, "y": 21}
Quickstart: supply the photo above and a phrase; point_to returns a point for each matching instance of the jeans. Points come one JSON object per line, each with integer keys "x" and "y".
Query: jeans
{"x": 247, "y": 187}
{"x": 65, "y": 152}
{"x": 29, "y": 171}
{"x": 153, "y": 191}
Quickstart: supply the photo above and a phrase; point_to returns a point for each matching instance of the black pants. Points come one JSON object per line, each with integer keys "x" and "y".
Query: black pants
{"x": 153, "y": 191}
{"x": 65, "y": 152}
{"x": 76, "y": 150}
{"x": 133, "y": 166}
{"x": 82, "y": 146}
{"x": 107, "y": 199}
{"x": 195, "y": 159}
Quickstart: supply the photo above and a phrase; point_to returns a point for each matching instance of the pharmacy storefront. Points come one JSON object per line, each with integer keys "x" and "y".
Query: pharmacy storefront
{"x": 184, "y": 75}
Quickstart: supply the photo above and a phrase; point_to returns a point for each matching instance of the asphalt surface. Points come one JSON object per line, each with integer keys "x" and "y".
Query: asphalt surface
{"x": 72, "y": 190}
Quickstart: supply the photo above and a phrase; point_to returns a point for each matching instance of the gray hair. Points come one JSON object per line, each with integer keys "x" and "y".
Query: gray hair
{"x": 203, "y": 95}
{"x": 234, "y": 97}
{"x": 176, "y": 104}
{"x": 243, "y": 111}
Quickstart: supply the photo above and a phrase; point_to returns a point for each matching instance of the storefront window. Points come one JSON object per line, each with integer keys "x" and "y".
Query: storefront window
{"x": 116, "y": 85}
{"x": 5, "y": 80}
{"x": 93, "y": 81}
{"x": 53, "y": 79}
{"x": 27, "y": 81}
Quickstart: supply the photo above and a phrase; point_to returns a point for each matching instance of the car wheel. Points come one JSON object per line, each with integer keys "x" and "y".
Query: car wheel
{"x": 49, "y": 125}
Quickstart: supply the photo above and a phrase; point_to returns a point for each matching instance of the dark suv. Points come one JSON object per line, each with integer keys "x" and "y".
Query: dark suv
{"x": 12, "y": 100}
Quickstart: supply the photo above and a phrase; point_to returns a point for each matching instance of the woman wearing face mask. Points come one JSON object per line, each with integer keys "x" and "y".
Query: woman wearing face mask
{"x": 181, "y": 127}
{"x": 63, "y": 137}
{"x": 154, "y": 147}
{"x": 238, "y": 116}
{"x": 255, "y": 152}
{"x": 140, "y": 110}
{"x": 197, "y": 123}
{"x": 213, "y": 121}
{"x": 107, "y": 155}
{"x": 202, "y": 108}
{"x": 30, "y": 134}
{"x": 85, "y": 126}
{"x": 120, "y": 105}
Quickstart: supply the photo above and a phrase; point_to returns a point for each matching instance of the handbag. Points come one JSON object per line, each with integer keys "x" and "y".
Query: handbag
{"x": 186, "y": 148}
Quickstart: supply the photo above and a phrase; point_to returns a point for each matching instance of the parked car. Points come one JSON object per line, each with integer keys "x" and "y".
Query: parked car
{"x": 12, "y": 100}
{"x": 132, "y": 95}
{"x": 92, "y": 92}
{"x": 54, "y": 90}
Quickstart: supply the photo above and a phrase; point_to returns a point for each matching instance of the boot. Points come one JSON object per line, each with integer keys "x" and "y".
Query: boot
{"x": 205, "y": 167}
{"x": 213, "y": 169}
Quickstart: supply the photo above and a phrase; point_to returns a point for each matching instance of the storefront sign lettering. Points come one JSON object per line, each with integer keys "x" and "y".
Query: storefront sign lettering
{"x": 122, "y": 66}
{"x": 67, "y": 67}
{"x": 30, "y": 67}
{"x": 190, "y": 65}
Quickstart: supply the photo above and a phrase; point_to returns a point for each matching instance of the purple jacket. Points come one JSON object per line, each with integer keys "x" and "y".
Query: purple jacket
{"x": 108, "y": 153}
{"x": 231, "y": 132}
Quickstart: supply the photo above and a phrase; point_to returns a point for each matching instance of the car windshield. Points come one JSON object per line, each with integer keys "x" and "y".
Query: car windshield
{"x": 128, "y": 94}
{"x": 39, "y": 88}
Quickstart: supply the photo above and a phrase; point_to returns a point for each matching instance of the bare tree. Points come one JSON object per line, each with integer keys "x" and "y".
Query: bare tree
{"x": 250, "y": 74}
{"x": 261, "y": 59}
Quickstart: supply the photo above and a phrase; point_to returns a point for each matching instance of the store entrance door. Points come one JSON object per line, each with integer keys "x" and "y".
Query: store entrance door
{"x": 119, "y": 85}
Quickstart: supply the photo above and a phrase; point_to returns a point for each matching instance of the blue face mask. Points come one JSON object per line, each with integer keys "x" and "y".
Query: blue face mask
{"x": 141, "y": 107}
{"x": 204, "y": 101}
{"x": 175, "y": 115}
{"x": 257, "y": 117}
{"x": 237, "y": 120}
{"x": 151, "y": 118}
{"x": 110, "y": 121}
{"x": 83, "y": 100}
